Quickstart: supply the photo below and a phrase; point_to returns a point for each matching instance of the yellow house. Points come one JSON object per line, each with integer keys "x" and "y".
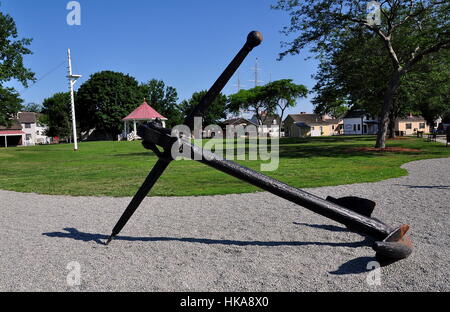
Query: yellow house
{"x": 311, "y": 125}
{"x": 411, "y": 125}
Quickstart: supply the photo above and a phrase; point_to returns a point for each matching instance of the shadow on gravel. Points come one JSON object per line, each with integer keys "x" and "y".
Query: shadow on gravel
{"x": 354, "y": 266}
{"x": 332, "y": 228}
{"x": 72, "y": 233}
{"x": 439, "y": 187}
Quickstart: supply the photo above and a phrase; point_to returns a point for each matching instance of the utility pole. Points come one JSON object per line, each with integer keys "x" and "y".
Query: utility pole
{"x": 72, "y": 80}
{"x": 257, "y": 70}
{"x": 238, "y": 85}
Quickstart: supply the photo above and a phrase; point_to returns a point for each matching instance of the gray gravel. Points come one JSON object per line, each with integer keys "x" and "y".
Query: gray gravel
{"x": 254, "y": 242}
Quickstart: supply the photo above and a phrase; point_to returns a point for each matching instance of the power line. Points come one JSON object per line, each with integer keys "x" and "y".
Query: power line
{"x": 43, "y": 77}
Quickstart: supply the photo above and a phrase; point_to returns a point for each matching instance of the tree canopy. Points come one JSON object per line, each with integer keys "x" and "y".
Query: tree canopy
{"x": 264, "y": 101}
{"x": 12, "y": 50}
{"x": 409, "y": 31}
{"x": 253, "y": 100}
{"x": 56, "y": 110}
{"x": 163, "y": 99}
{"x": 105, "y": 99}
{"x": 215, "y": 112}
{"x": 283, "y": 94}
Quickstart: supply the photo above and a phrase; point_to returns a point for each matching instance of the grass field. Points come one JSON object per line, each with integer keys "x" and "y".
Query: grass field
{"x": 119, "y": 168}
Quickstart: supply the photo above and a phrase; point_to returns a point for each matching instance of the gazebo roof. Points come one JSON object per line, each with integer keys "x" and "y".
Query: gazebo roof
{"x": 144, "y": 112}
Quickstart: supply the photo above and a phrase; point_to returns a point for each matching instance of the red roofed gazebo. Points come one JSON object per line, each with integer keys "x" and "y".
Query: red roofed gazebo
{"x": 143, "y": 113}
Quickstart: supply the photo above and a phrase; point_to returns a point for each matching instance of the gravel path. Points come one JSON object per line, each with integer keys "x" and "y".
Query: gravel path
{"x": 254, "y": 242}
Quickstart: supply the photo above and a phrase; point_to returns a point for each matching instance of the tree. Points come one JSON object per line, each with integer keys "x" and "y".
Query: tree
{"x": 32, "y": 107}
{"x": 105, "y": 99}
{"x": 253, "y": 100}
{"x": 409, "y": 31}
{"x": 283, "y": 94}
{"x": 428, "y": 88}
{"x": 353, "y": 76}
{"x": 215, "y": 112}
{"x": 56, "y": 110}
{"x": 12, "y": 51}
{"x": 10, "y": 104}
{"x": 164, "y": 99}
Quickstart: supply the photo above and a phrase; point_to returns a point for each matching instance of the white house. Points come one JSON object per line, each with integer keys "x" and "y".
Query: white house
{"x": 25, "y": 130}
{"x": 358, "y": 122}
{"x": 270, "y": 125}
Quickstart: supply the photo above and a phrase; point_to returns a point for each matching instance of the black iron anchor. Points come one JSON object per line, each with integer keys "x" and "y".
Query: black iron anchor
{"x": 392, "y": 243}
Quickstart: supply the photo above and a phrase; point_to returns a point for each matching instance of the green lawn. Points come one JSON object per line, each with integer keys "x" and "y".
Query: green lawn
{"x": 118, "y": 168}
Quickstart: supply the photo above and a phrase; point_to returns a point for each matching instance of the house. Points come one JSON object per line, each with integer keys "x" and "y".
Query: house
{"x": 410, "y": 125}
{"x": 12, "y": 135}
{"x": 268, "y": 125}
{"x": 231, "y": 125}
{"x": 25, "y": 130}
{"x": 311, "y": 125}
{"x": 360, "y": 122}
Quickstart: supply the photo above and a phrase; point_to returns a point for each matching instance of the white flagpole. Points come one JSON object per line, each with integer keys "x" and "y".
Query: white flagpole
{"x": 72, "y": 79}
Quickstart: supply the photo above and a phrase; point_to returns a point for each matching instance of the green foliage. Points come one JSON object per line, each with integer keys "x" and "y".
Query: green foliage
{"x": 10, "y": 104}
{"x": 215, "y": 112}
{"x": 32, "y": 107}
{"x": 283, "y": 94}
{"x": 428, "y": 88}
{"x": 408, "y": 33}
{"x": 105, "y": 99}
{"x": 279, "y": 94}
{"x": 253, "y": 100}
{"x": 56, "y": 110}
{"x": 164, "y": 100}
{"x": 12, "y": 50}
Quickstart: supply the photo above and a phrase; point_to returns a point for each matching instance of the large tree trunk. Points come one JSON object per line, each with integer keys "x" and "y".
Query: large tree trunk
{"x": 392, "y": 126}
{"x": 387, "y": 107}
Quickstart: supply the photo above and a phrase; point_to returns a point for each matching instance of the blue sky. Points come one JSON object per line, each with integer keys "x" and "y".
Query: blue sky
{"x": 185, "y": 43}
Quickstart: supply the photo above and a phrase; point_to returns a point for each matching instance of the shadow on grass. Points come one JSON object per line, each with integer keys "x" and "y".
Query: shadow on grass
{"x": 72, "y": 233}
{"x": 135, "y": 154}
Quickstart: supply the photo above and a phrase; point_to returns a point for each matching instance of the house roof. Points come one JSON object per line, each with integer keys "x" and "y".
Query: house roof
{"x": 268, "y": 121}
{"x": 238, "y": 121}
{"x": 411, "y": 119}
{"x": 312, "y": 120}
{"x": 144, "y": 112}
{"x": 357, "y": 113}
{"x": 27, "y": 117}
{"x": 11, "y": 132}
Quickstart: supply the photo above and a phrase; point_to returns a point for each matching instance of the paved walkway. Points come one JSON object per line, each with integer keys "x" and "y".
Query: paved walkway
{"x": 254, "y": 242}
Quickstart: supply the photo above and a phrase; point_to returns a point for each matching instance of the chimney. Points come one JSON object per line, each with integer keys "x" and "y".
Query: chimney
{"x": 303, "y": 113}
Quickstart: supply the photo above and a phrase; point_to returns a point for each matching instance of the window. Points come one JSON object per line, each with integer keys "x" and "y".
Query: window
{"x": 408, "y": 126}
{"x": 359, "y": 127}
{"x": 354, "y": 128}
{"x": 27, "y": 126}
{"x": 422, "y": 125}
{"x": 28, "y": 138}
